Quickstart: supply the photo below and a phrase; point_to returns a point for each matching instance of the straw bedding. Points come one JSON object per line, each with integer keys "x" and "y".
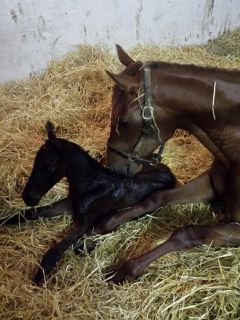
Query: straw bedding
{"x": 75, "y": 94}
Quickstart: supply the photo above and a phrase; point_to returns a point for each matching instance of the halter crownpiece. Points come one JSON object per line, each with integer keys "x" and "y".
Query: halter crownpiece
{"x": 150, "y": 129}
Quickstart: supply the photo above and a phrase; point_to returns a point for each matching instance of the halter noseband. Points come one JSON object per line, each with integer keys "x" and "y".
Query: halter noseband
{"x": 150, "y": 129}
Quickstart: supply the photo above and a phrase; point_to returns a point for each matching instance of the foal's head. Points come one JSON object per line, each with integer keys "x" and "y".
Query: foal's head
{"x": 48, "y": 169}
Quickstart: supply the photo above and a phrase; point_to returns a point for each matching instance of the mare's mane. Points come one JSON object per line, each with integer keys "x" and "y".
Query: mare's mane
{"x": 191, "y": 69}
{"x": 220, "y": 73}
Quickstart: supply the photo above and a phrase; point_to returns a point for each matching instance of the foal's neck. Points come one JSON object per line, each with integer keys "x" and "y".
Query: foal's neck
{"x": 83, "y": 172}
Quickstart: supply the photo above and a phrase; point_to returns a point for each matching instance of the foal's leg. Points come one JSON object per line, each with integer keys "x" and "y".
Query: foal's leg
{"x": 199, "y": 189}
{"x": 227, "y": 234}
{"x": 53, "y": 255}
{"x": 55, "y": 209}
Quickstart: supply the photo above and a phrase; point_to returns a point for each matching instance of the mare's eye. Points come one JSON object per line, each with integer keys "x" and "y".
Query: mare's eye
{"x": 122, "y": 122}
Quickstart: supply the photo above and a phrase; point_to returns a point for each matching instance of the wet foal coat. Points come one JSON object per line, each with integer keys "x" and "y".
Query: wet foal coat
{"x": 202, "y": 101}
{"x": 94, "y": 191}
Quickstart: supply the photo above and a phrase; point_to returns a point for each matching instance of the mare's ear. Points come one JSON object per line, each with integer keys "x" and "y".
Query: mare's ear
{"x": 50, "y": 130}
{"x": 124, "y": 81}
{"x": 123, "y": 57}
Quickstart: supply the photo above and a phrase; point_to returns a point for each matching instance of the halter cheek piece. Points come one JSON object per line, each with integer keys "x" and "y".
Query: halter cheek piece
{"x": 150, "y": 129}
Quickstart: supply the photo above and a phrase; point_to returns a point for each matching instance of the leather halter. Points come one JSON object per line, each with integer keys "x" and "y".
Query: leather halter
{"x": 150, "y": 129}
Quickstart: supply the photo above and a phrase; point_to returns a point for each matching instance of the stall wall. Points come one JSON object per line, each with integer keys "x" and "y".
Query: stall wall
{"x": 32, "y": 32}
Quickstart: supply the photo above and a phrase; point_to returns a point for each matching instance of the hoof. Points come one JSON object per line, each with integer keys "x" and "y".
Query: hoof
{"x": 80, "y": 249}
{"x": 126, "y": 272}
{"x": 39, "y": 277}
{"x": 48, "y": 263}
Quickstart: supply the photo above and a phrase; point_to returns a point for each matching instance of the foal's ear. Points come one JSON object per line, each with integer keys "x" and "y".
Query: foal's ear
{"x": 124, "y": 81}
{"x": 123, "y": 57}
{"x": 50, "y": 130}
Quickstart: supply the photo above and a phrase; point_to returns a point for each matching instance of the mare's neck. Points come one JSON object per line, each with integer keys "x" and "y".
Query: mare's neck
{"x": 232, "y": 76}
{"x": 192, "y": 96}
{"x": 187, "y": 102}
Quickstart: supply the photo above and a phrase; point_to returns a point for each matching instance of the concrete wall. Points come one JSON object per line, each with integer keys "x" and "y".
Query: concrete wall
{"x": 32, "y": 32}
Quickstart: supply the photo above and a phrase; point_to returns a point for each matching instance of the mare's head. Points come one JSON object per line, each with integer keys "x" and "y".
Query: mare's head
{"x": 132, "y": 139}
{"x": 48, "y": 169}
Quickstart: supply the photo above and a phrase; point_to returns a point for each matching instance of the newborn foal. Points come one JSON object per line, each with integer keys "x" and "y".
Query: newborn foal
{"x": 94, "y": 191}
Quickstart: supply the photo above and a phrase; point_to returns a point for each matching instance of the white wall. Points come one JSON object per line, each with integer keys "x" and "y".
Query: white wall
{"x": 32, "y": 32}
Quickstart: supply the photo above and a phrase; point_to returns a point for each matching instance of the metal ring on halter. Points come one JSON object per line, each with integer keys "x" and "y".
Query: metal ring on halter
{"x": 132, "y": 157}
{"x": 145, "y": 110}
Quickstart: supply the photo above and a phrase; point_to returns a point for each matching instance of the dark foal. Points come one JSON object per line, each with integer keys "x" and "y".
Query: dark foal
{"x": 94, "y": 191}
{"x": 149, "y": 102}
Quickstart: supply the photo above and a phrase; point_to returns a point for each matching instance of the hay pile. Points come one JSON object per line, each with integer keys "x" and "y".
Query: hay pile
{"x": 75, "y": 94}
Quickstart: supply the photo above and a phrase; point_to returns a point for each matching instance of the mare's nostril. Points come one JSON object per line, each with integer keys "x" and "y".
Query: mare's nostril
{"x": 127, "y": 171}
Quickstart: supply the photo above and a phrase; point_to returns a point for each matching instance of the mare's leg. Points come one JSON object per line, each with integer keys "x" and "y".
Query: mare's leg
{"x": 55, "y": 209}
{"x": 227, "y": 234}
{"x": 199, "y": 189}
{"x": 203, "y": 188}
{"x": 231, "y": 199}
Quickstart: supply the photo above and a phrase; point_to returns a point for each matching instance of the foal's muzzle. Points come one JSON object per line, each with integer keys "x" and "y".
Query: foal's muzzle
{"x": 30, "y": 199}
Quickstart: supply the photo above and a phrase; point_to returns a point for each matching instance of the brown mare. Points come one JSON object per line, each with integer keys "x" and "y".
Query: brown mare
{"x": 181, "y": 97}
